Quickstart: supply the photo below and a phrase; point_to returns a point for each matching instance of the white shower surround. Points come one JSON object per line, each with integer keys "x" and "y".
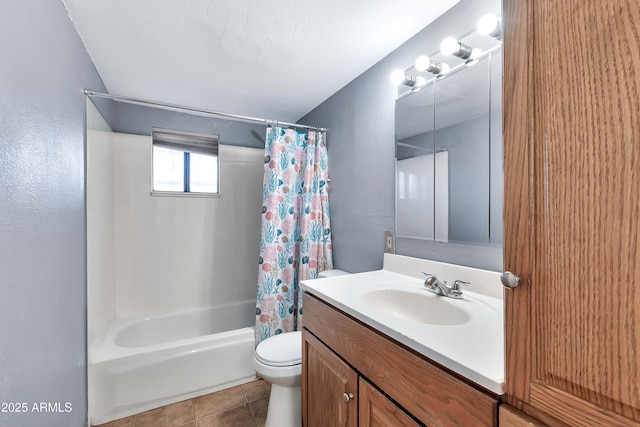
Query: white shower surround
{"x": 178, "y": 252}
{"x": 101, "y": 297}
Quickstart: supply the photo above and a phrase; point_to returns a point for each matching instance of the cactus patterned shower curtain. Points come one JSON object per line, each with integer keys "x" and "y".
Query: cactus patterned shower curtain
{"x": 296, "y": 234}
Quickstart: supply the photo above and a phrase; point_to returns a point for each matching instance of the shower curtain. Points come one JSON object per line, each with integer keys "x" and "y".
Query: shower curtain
{"x": 296, "y": 234}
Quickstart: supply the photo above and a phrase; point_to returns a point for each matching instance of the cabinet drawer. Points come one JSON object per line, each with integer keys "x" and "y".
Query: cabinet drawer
{"x": 377, "y": 411}
{"x": 427, "y": 392}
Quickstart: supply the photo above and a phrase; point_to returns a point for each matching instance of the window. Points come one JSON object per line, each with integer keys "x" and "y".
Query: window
{"x": 185, "y": 162}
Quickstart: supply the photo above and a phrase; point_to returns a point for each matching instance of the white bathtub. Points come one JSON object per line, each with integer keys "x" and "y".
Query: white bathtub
{"x": 150, "y": 362}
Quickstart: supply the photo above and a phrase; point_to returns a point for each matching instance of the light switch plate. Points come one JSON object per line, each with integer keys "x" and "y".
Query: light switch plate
{"x": 389, "y": 242}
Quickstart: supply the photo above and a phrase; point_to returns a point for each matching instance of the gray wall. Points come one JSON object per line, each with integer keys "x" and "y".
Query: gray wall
{"x": 42, "y": 229}
{"x": 138, "y": 120}
{"x": 360, "y": 118}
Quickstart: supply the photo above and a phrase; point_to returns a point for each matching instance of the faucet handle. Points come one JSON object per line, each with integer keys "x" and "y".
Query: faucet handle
{"x": 455, "y": 290}
{"x": 457, "y": 283}
{"x": 430, "y": 280}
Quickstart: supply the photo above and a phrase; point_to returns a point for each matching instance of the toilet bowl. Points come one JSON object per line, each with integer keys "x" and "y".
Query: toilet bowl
{"x": 278, "y": 360}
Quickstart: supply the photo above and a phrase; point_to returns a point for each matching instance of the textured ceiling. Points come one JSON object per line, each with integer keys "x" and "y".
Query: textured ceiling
{"x": 274, "y": 59}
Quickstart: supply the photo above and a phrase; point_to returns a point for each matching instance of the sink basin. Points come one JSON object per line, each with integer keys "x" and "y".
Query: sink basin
{"x": 417, "y": 307}
{"x": 464, "y": 335}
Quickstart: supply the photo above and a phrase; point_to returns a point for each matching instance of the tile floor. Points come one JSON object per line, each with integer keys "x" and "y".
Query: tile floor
{"x": 241, "y": 406}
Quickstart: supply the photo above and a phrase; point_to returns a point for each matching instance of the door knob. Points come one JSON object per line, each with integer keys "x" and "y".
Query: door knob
{"x": 509, "y": 280}
{"x": 347, "y": 397}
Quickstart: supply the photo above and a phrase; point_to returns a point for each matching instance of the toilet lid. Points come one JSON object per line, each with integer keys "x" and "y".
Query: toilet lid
{"x": 281, "y": 350}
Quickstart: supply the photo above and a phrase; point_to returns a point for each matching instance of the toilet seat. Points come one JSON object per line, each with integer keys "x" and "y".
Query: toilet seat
{"x": 281, "y": 350}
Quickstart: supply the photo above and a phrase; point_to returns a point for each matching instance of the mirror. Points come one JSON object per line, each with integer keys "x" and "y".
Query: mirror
{"x": 415, "y": 165}
{"x": 449, "y": 157}
{"x": 462, "y": 131}
{"x": 496, "y": 175}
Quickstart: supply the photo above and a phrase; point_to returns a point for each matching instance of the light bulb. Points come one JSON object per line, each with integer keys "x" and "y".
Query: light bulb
{"x": 449, "y": 46}
{"x": 420, "y": 81}
{"x": 422, "y": 63}
{"x": 398, "y": 76}
{"x": 445, "y": 69}
{"x": 488, "y": 25}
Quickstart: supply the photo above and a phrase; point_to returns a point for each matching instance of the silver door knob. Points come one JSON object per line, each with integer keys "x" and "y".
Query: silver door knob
{"x": 347, "y": 397}
{"x": 509, "y": 280}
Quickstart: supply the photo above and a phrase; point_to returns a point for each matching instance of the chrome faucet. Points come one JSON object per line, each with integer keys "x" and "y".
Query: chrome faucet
{"x": 434, "y": 285}
{"x": 440, "y": 288}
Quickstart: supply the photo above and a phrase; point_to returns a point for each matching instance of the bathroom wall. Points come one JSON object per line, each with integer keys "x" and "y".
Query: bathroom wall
{"x": 361, "y": 146}
{"x": 136, "y": 119}
{"x": 100, "y": 229}
{"x": 179, "y": 252}
{"x": 42, "y": 232}
{"x": 139, "y": 119}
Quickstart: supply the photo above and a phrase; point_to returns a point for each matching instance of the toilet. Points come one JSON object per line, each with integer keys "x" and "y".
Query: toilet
{"x": 278, "y": 360}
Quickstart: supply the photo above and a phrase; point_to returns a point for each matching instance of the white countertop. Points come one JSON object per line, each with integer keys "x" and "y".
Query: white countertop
{"x": 474, "y": 349}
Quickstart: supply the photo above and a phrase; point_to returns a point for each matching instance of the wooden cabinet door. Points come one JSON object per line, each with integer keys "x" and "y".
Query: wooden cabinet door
{"x": 326, "y": 379}
{"x": 510, "y": 417}
{"x": 572, "y": 209}
{"x": 376, "y": 410}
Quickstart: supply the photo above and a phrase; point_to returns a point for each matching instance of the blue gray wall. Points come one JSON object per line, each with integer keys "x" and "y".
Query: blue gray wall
{"x": 138, "y": 120}
{"x": 42, "y": 213}
{"x": 360, "y": 118}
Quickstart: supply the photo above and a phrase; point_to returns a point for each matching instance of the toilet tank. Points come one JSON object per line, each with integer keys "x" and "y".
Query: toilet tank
{"x": 331, "y": 273}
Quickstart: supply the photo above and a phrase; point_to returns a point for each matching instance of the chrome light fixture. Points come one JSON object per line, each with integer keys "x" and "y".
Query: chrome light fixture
{"x": 489, "y": 25}
{"x": 451, "y": 46}
{"x": 424, "y": 63}
{"x": 399, "y": 77}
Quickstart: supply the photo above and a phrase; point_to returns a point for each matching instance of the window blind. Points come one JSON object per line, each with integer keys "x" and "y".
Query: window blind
{"x": 186, "y": 141}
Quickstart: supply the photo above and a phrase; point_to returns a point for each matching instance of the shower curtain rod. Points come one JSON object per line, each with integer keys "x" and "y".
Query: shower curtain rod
{"x": 181, "y": 108}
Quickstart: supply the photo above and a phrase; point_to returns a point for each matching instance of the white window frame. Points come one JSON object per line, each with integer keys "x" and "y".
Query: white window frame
{"x": 189, "y": 142}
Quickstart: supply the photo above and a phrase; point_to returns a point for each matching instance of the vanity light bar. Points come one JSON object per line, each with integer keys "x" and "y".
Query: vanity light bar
{"x": 453, "y": 70}
{"x": 487, "y": 25}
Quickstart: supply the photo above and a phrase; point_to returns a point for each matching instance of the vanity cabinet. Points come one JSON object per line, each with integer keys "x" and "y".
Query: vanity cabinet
{"x": 336, "y": 395}
{"x": 390, "y": 384}
{"x": 332, "y": 397}
{"x": 572, "y": 210}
